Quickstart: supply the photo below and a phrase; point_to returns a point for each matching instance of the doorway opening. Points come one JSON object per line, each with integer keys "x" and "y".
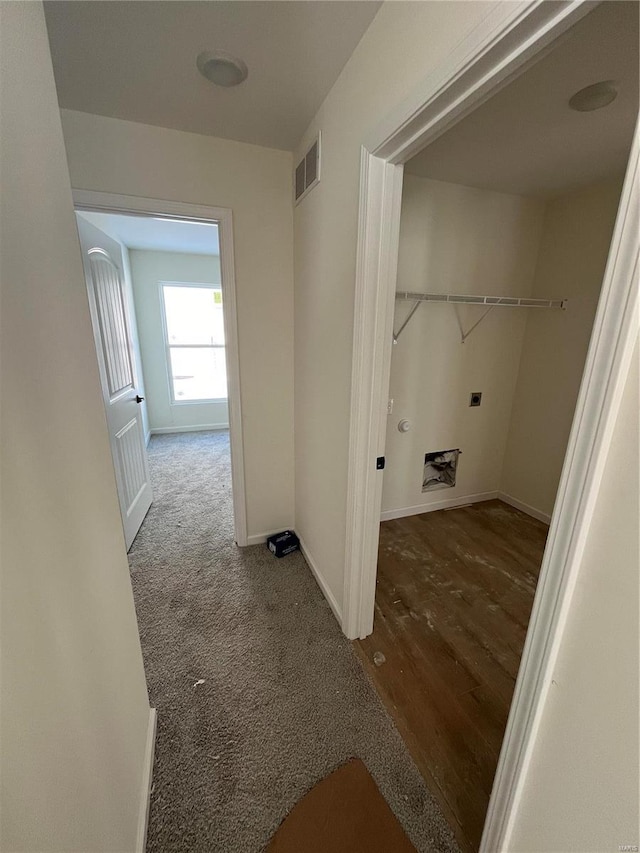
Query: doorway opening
{"x": 505, "y": 231}
{"x": 167, "y": 313}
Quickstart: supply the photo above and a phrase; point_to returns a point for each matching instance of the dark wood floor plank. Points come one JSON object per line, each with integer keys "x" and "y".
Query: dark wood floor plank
{"x": 455, "y": 587}
{"x": 431, "y": 734}
{"x": 461, "y": 661}
{"x": 453, "y": 599}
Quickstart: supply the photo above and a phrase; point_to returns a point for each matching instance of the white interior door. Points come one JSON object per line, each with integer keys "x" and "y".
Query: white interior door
{"x": 110, "y": 315}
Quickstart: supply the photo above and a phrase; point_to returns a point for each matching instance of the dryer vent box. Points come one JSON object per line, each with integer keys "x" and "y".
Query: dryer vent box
{"x": 440, "y": 469}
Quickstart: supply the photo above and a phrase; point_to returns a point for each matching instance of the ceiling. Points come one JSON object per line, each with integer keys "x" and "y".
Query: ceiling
{"x": 136, "y": 60}
{"x": 163, "y": 235}
{"x": 526, "y": 140}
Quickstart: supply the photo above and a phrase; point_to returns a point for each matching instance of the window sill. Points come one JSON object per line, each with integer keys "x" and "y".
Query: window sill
{"x": 199, "y": 402}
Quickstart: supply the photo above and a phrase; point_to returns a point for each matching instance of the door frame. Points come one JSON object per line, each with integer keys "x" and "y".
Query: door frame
{"x": 223, "y": 217}
{"x": 494, "y": 53}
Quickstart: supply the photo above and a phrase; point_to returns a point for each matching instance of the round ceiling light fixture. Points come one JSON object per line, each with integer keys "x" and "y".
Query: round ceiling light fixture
{"x": 594, "y": 97}
{"x": 221, "y": 67}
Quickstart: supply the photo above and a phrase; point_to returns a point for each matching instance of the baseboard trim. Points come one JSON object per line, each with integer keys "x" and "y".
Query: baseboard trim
{"x": 463, "y": 500}
{"x": 523, "y": 507}
{"x": 333, "y": 604}
{"x": 147, "y": 779}
{"x": 261, "y": 538}
{"x": 196, "y": 428}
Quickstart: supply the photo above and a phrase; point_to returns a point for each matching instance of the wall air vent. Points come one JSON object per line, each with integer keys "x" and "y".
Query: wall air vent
{"x": 308, "y": 171}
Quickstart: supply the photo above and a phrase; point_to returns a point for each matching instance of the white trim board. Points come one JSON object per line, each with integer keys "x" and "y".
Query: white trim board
{"x": 451, "y": 503}
{"x": 523, "y": 507}
{"x": 337, "y": 611}
{"x": 147, "y": 779}
{"x": 260, "y": 538}
{"x": 116, "y": 203}
{"x": 196, "y": 428}
{"x": 508, "y": 40}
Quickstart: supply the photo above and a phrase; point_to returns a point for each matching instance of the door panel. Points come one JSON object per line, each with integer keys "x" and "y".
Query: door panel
{"x": 130, "y": 461}
{"x": 111, "y": 308}
{"x": 111, "y": 320}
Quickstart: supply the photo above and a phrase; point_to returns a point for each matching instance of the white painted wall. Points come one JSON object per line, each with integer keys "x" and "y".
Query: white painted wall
{"x": 573, "y": 253}
{"x": 74, "y": 707}
{"x": 404, "y": 43}
{"x": 581, "y": 793}
{"x": 456, "y": 239}
{"x": 148, "y": 269}
{"x": 256, "y": 183}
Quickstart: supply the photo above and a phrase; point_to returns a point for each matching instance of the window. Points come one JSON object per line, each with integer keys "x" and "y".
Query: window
{"x": 194, "y": 337}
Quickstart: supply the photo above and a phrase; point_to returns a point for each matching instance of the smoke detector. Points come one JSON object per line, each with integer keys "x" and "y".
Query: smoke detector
{"x": 594, "y": 97}
{"x": 222, "y": 68}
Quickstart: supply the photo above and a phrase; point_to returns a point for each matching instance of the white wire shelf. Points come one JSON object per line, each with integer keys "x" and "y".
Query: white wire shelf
{"x": 506, "y": 301}
{"x": 467, "y": 299}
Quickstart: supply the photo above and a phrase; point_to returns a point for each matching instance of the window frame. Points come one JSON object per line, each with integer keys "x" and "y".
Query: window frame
{"x": 168, "y": 346}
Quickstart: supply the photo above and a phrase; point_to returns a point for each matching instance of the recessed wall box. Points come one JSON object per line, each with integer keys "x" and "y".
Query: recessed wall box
{"x": 440, "y": 469}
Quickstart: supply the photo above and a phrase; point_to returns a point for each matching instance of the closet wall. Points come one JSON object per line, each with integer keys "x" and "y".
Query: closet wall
{"x": 527, "y": 363}
{"x": 573, "y": 254}
{"x": 456, "y": 239}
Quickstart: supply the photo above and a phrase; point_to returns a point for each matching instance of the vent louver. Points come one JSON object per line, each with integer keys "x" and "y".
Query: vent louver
{"x": 308, "y": 171}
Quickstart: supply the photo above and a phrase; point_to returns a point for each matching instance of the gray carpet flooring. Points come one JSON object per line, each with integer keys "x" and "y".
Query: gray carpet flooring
{"x": 259, "y": 694}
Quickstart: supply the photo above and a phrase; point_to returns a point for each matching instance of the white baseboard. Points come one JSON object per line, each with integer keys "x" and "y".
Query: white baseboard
{"x": 259, "y": 538}
{"x": 462, "y": 500}
{"x": 523, "y": 507}
{"x": 337, "y": 610}
{"x": 197, "y": 428}
{"x": 147, "y": 779}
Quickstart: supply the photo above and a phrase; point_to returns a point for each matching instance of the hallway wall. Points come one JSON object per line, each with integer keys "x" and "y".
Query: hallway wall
{"x": 125, "y": 157}
{"x": 74, "y": 709}
{"x": 403, "y": 45}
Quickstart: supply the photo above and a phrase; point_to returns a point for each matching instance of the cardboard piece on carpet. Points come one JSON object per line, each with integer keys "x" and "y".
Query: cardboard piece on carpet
{"x": 344, "y": 813}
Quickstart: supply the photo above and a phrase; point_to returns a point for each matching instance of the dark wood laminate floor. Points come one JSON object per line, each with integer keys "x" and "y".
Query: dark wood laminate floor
{"x": 454, "y": 595}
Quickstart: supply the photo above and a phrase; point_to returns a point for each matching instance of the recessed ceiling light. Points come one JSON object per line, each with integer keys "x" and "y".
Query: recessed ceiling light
{"x": 221, "y": 67}
{"x": 594, "y": 97}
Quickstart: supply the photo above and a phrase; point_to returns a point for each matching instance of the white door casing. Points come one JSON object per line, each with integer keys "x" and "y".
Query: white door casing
{"x": 223, "y": 217}
{"x": 111, "y": 320}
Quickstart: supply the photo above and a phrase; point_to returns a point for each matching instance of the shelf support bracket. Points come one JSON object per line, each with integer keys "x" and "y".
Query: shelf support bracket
{"x": 464, "y": 335}
{"x": 397, "y": 334}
